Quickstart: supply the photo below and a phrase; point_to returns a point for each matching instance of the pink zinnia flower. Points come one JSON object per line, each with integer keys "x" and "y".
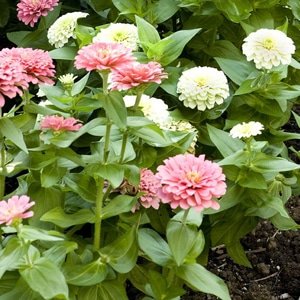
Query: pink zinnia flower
{"x": 189, "y": 181}
{"x": 37, "y": 64}
{"x": 15, "y": 209}
{"x": 134, "y": 74}
{"x": 149, "y": 185}
{"x": 58, "y": 123}
{"x": 103, "y": 56}
{"x": 12, "y": 79}
{"x": 29, "y": 11}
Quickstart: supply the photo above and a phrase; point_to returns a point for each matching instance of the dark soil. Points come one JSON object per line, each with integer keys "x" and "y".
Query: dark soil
{"x": 275, "y": 256}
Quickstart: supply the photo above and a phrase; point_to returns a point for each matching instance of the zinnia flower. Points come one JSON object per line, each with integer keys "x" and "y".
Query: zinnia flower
{"x": 268, "y": 48}
{"x": 246, "y": 130}
{"x": 15, "y": 209}
{"x": 149, "y": 185}
{"x": 132, "y": 75}
{"x": 64, "y": 28}
{"x": 12, "y": 79}
{"x": 122, "y": 33}
{"x": 67, "y": 80}
{"x": 29, "y": 11}
{"x": 37, "y": 64}
{"x": 189, "y": 181}
{"x": 103, "y": 56}
{"x": 202, "y": 87}
{"x": 153, "y": 108}
{"x": 58, "y": 123}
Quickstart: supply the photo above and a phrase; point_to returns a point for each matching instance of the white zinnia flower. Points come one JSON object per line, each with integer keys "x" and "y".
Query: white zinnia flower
{"x": 67, "y": 80}
{"x": 268, "y": 48}
{"x": 154, "y": 109}
{"x": 246, "y": 130}
{"x": 64, "y": 28}
{"x": 202, "y": 87}
{"x": 122, "y": 33}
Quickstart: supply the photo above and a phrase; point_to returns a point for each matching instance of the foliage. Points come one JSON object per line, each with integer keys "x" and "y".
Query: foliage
{"x": 84, "y": 240}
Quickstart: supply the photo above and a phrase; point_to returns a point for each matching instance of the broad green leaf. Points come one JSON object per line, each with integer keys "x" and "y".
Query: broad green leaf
{"x": 58, "y": 217}
{"x": 46, "y": 278}
{"x": 32, "y": 234}
{"x": 202, "y": 280}
{"x": 85, "y": 275}
{"x": 13, "y": 133}
{"x": 181, "y": 239}
{"x": 8, "y": 282}
{"x": 192, "y": 218}
{"x": 11, "y": 255}
{"x": 115, "y": 109}
{"x": 80, "y": 85}
{"x": 224, "y": 142}
{"x": 295, "y": 6}
{"x": 123, "y": 252}
{"x": 57, "y": 253}
{"x": 237, "y": 251}
{"x": 235, "y": 10}
{"x": 147, "y": 33}
{"x": 283, "y": 223}
{"x": 163, "y": 10}
{"x": 108, "y": 290}
{"x": 250, "y": 179}
{"x": 297, "y": 118}
{"x": 117, "y": 206}
{"x": 155, "y": 247}
{"x": 65, "y": 53}
{"x": 51, "y": 174}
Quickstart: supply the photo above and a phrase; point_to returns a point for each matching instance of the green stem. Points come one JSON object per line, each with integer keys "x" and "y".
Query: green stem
{"x": 106, "y": 141}
{"x": 138, "y": 100}
{"x": 123, "y": 148}
{"x": 2, "y": 164}
{"x": 186, "y": 212}
{"x": 98, "y": 212}
{"x": 104, "y": 75}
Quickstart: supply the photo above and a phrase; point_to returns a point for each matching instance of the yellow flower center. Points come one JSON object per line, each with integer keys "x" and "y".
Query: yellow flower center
{"x": 268, "y": 43}
{"x": 193, "y": 176}
{"x": 246, "y": 129}
{"x": 201, "y": 81}
{"x": 120, "y": 37}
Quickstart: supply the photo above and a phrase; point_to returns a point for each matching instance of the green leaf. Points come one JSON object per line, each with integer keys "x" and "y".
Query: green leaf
{"x": 297, "y": 118}
{"x": 202, "y": 280}
{"x": 295, "y": 6}
{"x": 11, "y": 255}
{"x": 147, "y": 33}
{"x": 80, "y": 85}
{"x": 117, "y": 206}
{"x": 46, "y": 278}
{"x": 163, "y": 10}
{"x": 122, "y": 253}
{"x": 193, "y": 218}
{"x": 85, "y": 275}
{"x": 155, "y": 247}
{"x": 250, "y": 179}
{"x": 51, "y": 174}
{"x": 181, "y": 239}
{"x": 65, "y": 53}
{"x": 13, "y": 133}
{"x": 171, "y": 47}
{"x": 32, "y": 234}
{"x": 224, "y": 142}
{"x": 4, "y": 12}
{"x": 283, "y": 223}
{"x": 115, "y": 109}
{"x": 235, "y": 10}
{"x": 58, "y": 217}
{"x": 237, "y": 251}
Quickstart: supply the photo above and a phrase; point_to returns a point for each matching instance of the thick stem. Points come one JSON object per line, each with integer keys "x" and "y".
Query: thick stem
{"x": 106, "y": 141}
{"x": 186, "y": 212}
{"x": 98, "y": 212}
{"x": 104, "y": 75}
{"x": 138, "y": 100}
{"x": 123, "y": 148}
{"x": 2, "y": 164}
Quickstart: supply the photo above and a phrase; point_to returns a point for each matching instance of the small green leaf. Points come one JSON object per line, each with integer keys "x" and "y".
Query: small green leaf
{"x": 237, "y": 252}
{"x": 80, "y": 85}
{"x": 32, "y": 234}
{"x": 65, "y": 53}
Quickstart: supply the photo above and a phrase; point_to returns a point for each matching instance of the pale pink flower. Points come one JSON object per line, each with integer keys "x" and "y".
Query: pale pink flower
{"x": 190, "y": 181}
{"x": 37, "y": 64}
{"x": 58, "y": 123}
{"x": 134, "y": 74}
{"x": 12, "y": 79}
{"x": 103, "y": 56}
{"x": 149, "y": 185}
{"x": 15, "y": 209}
{"x": 29, "y": 11}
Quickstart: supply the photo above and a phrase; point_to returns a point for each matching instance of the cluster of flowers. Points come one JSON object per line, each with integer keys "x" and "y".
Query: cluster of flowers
{"x": 21, "y": 66}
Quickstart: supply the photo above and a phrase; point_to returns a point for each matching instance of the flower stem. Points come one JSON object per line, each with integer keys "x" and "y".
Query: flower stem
{"x": 106, "y": 141}
{"x": 98, "y": 212}
{"x": 123, "y": 148}
{"x": 104, "y": 75}
{"x": 2, "y": 164}
{"x": 186, "y": 212}
{"x": 137, "y": 100}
